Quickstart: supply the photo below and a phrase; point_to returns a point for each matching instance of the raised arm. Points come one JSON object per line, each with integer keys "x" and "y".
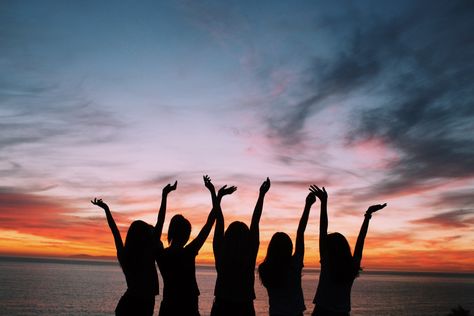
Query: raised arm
{"x": 113, "y": 227}
{"x": 197, "y": 243}
{"x": 162, "y": 213}
{"x": 363, "y": 231}
{"x": 257, "y": 213}
{"x": 299, "y": 246}
{"x": 323, "y": 218}
{"x": 219, "y": 228}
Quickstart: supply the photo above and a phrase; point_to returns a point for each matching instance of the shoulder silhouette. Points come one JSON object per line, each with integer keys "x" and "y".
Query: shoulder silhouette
{"x": 280, "y": 271}
{"x": 235, "y": 253}
{"x": 339, "y": 267}
{"x": 177, "y": 264}
{"x": 137, "y": 259}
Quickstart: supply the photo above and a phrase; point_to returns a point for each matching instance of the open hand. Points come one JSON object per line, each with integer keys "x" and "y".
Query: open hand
{"x": 265, "y": 186}
{"x": 320, "y": 193}
{"x": 208, "y": 183}
{"x": 99, "y": 203}
{"x": 168, "y": 188}
{"x": 375, "y": 208}
{"x": 226, "y": 190}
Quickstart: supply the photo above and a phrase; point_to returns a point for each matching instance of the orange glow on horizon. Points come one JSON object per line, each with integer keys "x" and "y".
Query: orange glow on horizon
{"x": 20, "y": 244}
{"x": 42, "y": 226}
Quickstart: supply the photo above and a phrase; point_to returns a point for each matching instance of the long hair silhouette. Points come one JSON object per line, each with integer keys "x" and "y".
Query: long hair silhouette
{"x": 137, "y": 260}
{"x": 139, "y": 244}
{"x": 139, "y": 238}
{"x": 339, "y": 267}
{"x": 277, "y": 262}
{"x": 280, "y": 271}
{"x": 235, "y": 253}
{"x": 340, "y": 262}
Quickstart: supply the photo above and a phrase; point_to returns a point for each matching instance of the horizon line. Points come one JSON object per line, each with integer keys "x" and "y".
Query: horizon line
{"x": 83, "y": 258}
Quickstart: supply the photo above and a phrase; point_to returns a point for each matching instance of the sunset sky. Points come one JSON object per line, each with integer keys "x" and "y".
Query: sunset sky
{"x": 115, "y": 99}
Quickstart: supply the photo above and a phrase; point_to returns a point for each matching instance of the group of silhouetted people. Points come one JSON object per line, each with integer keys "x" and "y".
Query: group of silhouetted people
{"x": 235, "y": 254}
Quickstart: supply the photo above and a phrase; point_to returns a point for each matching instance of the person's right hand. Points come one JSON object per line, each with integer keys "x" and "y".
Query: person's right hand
{"x": 168, "y": 188}
{"x": 265, "y": 186}
{"x": 374, "y": 208}
{"x": 99, "y": 203}
{"x": 311, "y": 198}
{"x": 226, "y": 190}
{"x": 208, "y": 183}
{"x": 320, "y": 193}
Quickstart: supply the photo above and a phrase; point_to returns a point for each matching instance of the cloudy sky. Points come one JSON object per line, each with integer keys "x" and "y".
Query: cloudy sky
{"x": 115, "y": 100}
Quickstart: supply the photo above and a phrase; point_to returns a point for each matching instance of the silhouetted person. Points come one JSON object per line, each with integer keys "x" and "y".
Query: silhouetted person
{"x": 280, "y": 271}
{"x": 339, "y": 267}
{"x": 137, "y": 259}
{"x": 235, "y": 253}
{"x": 177, "y": 265}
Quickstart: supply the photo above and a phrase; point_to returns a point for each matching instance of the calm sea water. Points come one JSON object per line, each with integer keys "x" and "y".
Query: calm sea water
{"x": 74, "y": 287}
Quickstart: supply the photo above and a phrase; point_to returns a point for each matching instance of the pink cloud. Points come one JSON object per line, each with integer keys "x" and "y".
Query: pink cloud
{"x": 374, "y": 153}
{"x": 451, "y": 219}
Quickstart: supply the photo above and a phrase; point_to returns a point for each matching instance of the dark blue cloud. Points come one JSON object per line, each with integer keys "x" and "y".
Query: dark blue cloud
{"x": 417, "y": 64}
{"x": 429, "y": 112}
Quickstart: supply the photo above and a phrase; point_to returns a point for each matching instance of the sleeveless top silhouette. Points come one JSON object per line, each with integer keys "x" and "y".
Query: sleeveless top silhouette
{"x": 331, "y": 295}
{"x": 141, "y": 275}
{"x": 287, "y": 298}
{"x": 178, "y": 269}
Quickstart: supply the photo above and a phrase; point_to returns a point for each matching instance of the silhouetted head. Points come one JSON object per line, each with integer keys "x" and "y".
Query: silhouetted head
{"x": 340, "y": 261}
{"x": 179, "y": 231}
{"x": 236, "y": 246}
{"x": 139, "y": 240}
{"x": 236, "y": 236}
{"x": 338, "y": 246}
{"x": 280, "y": 247}
{"x": 139, "y": 236}
{"x": 277, "y": 261}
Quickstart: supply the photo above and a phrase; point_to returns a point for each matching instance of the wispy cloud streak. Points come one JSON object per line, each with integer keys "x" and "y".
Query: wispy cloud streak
{"x": 418, "y": 87}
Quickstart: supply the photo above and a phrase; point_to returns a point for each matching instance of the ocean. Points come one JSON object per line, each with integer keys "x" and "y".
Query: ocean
{"x": 37, "y": 286}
